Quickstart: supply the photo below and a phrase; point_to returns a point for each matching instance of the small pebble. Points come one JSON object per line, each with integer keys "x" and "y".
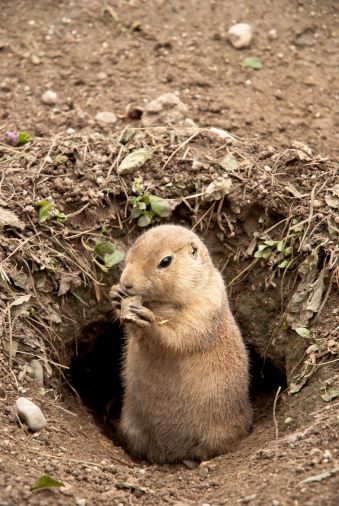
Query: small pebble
{"x": 31, "y": 414}
{"x": 81, "y": 502}
{"x": 191, "y": 464}
{"x": 106, "y": 118}
{"x": 66, "y": 490}
{"x": 288, "y": 420}
{"x": 240, "y": 35}
{"x": 272, "y": 34}
{"x": 49, "y": 97}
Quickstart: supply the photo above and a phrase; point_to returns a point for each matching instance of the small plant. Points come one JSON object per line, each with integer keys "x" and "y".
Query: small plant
{"x": 45, "y": 482}
{"x": 48, "y": 210}
{"x": 147, "y": 207}
{"x": 17, "y": 139}
{"x": 108, "y": 254}
{"x": 279, "y": 253}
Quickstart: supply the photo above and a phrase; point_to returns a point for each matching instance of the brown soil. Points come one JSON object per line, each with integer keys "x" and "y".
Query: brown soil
{"x": 96, "y": 59}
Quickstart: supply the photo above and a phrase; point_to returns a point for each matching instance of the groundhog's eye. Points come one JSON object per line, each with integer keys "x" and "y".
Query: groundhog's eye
{"x": 165, "y": 262}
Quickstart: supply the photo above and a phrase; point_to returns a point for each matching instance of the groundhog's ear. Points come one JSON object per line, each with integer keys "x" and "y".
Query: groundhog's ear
{"x": 193, "y": 248}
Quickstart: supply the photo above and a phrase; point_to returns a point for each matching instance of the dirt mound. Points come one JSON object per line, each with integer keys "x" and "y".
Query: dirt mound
{"x": 69, "y": 207}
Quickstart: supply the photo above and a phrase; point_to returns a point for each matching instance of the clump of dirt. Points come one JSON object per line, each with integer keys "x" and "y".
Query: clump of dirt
{"x": 269, "y": 219}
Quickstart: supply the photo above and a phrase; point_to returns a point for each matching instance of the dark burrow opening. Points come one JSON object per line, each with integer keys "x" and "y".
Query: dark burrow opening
{"x": 95, "y": 374}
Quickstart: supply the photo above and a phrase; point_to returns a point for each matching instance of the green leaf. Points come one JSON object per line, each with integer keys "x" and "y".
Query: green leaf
{"x": 137, "y": 186}
{"x": 229, "y": 163}
{"x": 104, "y": 230}
{"x": 263, "y": 251}
{"x": 137, "y": 211}
{"x": 60, "y": 217}
{"x": 114, "y": 258}
{"x": 146, "y": 198}
{"x": 303, "y": 331}
{"x": 252, "y": 62}
{"x": 42, "y": 203}
{"x": 104, "y": 248}
{"x": 145, "y": 220}
{"x": 160, "y": 206}
{"x": 134, "y": 161}
{"x": 270, "y": 243}
{"x": 284, "y": 264}
{"x": 24, "y": 137}
{"x": 108, "y": 253}
{"x": 44, "y": 482}
{"x": 44, "y": 211}
{"x": 280, "y": 245}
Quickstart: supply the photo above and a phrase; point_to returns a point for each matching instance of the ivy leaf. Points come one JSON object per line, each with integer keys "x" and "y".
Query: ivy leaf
{"x": 252, "y": 62}
{"x": 303, "y": 331}
{"x": 160, "y": 206}
{"x": 44, "y": 482}
{"x": 134, "y": 161}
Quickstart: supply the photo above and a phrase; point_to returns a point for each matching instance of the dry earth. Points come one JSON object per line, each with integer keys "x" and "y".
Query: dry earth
{"x": 100, "y": 56}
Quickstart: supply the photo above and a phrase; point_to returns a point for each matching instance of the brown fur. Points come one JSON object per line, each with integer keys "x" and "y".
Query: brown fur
{"x": 185, "y": 367}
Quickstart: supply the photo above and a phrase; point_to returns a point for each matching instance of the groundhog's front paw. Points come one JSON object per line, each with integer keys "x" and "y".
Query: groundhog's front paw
{"x": 135, "y": 312}
{"x": 116, "y": 295}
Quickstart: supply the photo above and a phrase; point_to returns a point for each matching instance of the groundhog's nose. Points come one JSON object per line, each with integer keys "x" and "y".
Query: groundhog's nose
{"x": 126, "y": 282}
{"x": 127, "y": 285}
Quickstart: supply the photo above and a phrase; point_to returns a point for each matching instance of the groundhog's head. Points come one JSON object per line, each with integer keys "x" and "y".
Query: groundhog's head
{"x": 166, "y": 263}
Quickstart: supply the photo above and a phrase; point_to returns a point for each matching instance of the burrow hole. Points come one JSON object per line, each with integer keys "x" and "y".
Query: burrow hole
{"x": 95, "y": 373}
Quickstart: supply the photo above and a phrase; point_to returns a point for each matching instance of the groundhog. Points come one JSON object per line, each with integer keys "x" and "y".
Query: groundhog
{"x": 185, "y": 369}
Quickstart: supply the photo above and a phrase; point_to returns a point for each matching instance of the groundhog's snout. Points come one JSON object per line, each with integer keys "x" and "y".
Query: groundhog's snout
{"x": 128, "y": 283}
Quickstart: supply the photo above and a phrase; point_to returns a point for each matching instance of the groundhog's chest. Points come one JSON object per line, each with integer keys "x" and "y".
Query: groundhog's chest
{"x": 163, "y": 377}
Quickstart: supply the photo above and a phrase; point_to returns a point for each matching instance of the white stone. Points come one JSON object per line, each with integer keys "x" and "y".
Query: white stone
{"x": 106, "y": 118}
{"x": 101, "y": 76}
{"x": 272, "y": 34}
{"x": 49, "y": 97}
{"x": 31, "y": 414}
{"x": 240, "y": 35}
{"x": 70, "y": 131}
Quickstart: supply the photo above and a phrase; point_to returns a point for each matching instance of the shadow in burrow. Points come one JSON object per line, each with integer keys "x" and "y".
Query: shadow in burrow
{"x": 95, "y": 373}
